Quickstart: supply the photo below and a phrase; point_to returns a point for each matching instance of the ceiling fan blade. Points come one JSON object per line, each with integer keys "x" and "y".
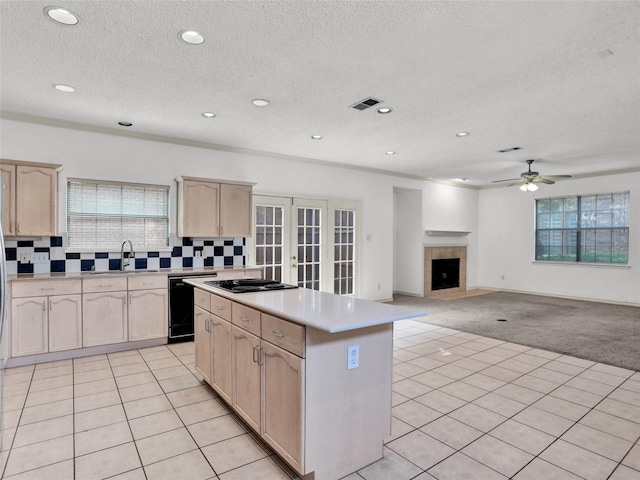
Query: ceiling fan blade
{"x": 557, "y": 176}
{"x": 507, "y": 180}
{"x": 546, "y": 180}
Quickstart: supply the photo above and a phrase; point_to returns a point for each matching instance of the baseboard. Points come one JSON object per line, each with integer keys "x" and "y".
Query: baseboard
{"x": 82, "y": 352}
{"x": 567, "y": 297}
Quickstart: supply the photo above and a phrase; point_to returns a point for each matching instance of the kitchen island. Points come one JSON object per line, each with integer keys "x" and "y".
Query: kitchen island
{"x": 308, "y": 371}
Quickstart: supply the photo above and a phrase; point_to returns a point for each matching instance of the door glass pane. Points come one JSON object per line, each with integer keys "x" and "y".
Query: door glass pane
{"x": 269, "y": 226}
{"x": 309, "y": 247}
{"x": 344, "y": 227}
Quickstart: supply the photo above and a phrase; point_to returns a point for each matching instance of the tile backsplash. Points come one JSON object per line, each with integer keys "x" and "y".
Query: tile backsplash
{"x": 183, "y": 253}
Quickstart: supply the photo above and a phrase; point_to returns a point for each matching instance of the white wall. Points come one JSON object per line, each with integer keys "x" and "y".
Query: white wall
{"x": 408, "y": 232}
{"x": 500, "y": 220}
{"x": 87, "y": 154}
{"x": 506, "y": 246}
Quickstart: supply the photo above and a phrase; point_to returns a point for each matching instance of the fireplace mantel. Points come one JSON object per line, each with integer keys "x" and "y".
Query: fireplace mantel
{"x": 446, "y": 233}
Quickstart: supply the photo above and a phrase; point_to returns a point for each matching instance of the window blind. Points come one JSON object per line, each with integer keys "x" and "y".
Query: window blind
{"x": 101, "y": 215}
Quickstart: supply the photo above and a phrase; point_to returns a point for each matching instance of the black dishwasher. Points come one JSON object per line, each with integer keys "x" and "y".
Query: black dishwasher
{"x": 181, "y": 327}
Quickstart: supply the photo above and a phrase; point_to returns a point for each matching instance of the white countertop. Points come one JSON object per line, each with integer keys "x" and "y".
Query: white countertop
{"x": 324, "y": 311}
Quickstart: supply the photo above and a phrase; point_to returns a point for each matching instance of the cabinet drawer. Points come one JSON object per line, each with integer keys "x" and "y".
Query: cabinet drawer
{"x": 202, "y": 299}
{"x": 246, "y": 318}
{"x": 221, "y": 307}
{"x": 285, "y": 334}
{"x": 45, "y": 288}
{"x": 108, "y": 283}
{"x": 143, "y": 281}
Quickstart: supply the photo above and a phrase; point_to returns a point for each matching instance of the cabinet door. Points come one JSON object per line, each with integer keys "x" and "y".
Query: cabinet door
{"x": 65, "y": 322}
{"x": 200, "y": 209}
{"x": 104, "y": 318}
{"x": 8, "y": 201}
{"x": 221, "y": 357}
{"x": 282, "y": 397}
{"x": 246, "y": 376}
{"x": 235, "y": 210}
{"x": 35, "y": 200}
{"x": 148, "y": 314}
{"x": 29, "y": 326}
{"x": 202, "y": 343}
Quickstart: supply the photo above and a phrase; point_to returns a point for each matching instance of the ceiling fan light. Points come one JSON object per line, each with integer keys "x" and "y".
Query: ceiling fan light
{"x": 532, "y": 187}
{"x": 523, "y": 187}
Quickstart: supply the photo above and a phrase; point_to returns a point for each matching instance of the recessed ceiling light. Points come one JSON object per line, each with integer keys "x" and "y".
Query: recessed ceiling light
{"x": 61, "y": 15}
{"x": 260, "y": 102}
{"x": 462, "y": 134}
{"x": 191, "y": 37}
{"x": 384, "y": 110}
{"x": 209, "y": 115}
{"x": 64, "y": 88}
{"x": 390, "y": 152}
{"x": 125, "y": 124}
{"x": 316, "y": 137}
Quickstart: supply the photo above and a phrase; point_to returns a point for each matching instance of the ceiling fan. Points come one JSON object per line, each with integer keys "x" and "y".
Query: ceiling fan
{"x": 528, "y": 179}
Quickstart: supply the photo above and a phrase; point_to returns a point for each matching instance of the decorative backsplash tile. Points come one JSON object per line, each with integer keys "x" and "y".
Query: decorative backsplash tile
{"x": 185, "y": 252}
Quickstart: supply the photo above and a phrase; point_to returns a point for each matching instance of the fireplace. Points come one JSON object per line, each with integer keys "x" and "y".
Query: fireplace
{"x": 445, "y": 273}
{"x": 445, "y": 270}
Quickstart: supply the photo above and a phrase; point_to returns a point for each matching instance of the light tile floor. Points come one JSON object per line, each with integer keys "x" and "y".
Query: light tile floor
{"x": 464, "y": 407}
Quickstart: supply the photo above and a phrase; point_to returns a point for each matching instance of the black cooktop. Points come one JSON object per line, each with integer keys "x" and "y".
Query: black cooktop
{"x": 248, "y": 285}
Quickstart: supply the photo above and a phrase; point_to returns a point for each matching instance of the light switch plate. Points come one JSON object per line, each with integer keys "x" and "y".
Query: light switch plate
{"x": 39, "y": 257}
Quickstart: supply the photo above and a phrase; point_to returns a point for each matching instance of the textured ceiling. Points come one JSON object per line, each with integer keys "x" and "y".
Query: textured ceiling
{"x": 560, "y": 79}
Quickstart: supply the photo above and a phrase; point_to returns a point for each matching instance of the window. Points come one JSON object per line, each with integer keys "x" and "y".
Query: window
{"x": 101, "y": 215}
{"x": 586, "y": 228}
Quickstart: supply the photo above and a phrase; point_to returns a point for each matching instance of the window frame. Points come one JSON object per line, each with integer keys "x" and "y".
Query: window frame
{"x": 579, "y": 232}
{"x": 113, "y": 248}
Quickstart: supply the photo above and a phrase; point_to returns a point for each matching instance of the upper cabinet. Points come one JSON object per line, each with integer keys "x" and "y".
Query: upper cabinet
{"x": 29, "y": 194}
{"x": 213, "y": 208}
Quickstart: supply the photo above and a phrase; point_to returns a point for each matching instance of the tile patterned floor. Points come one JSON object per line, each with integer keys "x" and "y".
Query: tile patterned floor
{"x": 464, "y": 407}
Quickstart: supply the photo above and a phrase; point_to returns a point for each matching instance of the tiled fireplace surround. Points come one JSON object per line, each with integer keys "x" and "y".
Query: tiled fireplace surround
{"x": 439, "y": 253}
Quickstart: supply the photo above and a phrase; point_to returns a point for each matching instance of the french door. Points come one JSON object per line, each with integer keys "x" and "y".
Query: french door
{"x": 304, "y": 242}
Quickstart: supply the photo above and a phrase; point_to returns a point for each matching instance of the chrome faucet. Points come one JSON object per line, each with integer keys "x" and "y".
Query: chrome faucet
{"x": 131, "y": 255}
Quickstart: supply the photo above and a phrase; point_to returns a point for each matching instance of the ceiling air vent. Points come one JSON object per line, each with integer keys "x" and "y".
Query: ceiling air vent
{"x": 366, "y": 103}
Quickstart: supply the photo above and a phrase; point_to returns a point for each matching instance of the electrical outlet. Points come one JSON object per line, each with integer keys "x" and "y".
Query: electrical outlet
{"x": 353, "y": 357}
{"x": 40, "y": 257}
{"x": 25, "y": 258}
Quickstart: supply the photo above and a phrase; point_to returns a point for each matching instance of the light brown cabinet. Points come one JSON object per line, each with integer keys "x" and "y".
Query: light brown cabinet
{"x": 291, "y": 385}
{"x": 213, "y": 208}
{"x": 260, "y": 380}
{"x": 29, "y": 194}
{"x": 45, "y": 317}
{"x": 104, "y": 310}
{"x": 148, "y": 307}
{"x": 202, "y": 342}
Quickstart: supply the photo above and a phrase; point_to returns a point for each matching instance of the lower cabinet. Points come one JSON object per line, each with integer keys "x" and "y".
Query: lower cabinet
{"x": 220, "y": 356}
{"x": 290, "y": 383}
{"x": 65, "y": 322}
{"x": 104, "y": 318}
{"x": 45, "y": 317}
{"x": 247, "y": 377}
{"x": 261, "y": 381}
{"x": 202, "y": 342}
{"x": 282, "y": 392}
